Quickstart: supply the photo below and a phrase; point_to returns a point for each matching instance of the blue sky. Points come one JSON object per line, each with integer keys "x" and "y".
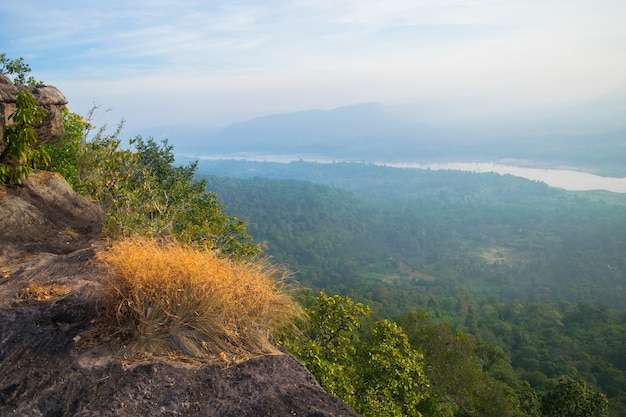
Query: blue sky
{"x": 216, "y": 62}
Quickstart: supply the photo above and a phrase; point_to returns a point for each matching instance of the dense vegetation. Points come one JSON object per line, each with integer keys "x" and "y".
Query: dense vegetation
{"x": 422, "y": 251}
{"x": 142, "y": 190}
{"x": 530, "y": 274}
{"x": 20, "y": 154}
{"x": 420, "y": 366}
{"x": 423, "y": 233}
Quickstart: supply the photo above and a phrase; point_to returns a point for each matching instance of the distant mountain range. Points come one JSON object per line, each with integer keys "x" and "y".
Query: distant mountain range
{"x": 588, "y": 136}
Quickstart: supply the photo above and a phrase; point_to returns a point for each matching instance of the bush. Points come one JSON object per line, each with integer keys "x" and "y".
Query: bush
{"x": 171, "y": 299}
{"x": 21, "y": 152}
{"x": 68, "y": 153}
{"x": 144, "y": 192}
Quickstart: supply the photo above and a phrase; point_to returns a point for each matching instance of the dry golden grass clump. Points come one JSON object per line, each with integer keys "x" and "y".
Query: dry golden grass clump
{"x": 173, "y": 300}
{"x": 42, "y": 291}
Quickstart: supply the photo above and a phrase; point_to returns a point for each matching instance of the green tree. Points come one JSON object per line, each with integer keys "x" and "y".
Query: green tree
{"x": 21, "y": 152}
{"x": 529, "y": 400}
{"x": 573, "y": 398}
{"x": 460, "y": 385}
{"x": 327, "y": 343}
{"x": 377, "y": 373}
{"x": 18, "y": 68}
{"x": 391, "y": 379}
{"x": 171, "y": 200}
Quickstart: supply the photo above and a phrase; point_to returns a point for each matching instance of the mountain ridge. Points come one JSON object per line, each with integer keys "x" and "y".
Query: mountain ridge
{"x": 587, "y": 136}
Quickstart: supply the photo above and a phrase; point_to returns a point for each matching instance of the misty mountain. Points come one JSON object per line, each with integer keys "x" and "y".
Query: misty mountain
{"x": 361, "y": 131}
{"x": 369, "y": 131}
{"x": 588, "y": 136}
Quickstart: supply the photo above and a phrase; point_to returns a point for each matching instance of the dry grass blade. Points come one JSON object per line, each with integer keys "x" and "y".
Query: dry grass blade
{"x": 42, "y": 291}
{"x": 170, "y": 299}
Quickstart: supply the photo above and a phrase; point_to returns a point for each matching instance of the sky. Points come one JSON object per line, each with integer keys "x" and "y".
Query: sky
{"x": 210, "y": 63}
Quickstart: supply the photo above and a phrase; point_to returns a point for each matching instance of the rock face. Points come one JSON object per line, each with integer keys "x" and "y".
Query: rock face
{"x": 45, "y": 216}
{"x": 49, "y": 294}
{"x": 48, "y": 97}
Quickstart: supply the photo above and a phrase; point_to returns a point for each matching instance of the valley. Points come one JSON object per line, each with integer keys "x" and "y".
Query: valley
{"x": 537, "y": 271}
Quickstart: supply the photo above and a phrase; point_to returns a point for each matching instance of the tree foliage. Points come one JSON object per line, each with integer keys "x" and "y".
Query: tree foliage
{"x": 573, "y": 398}
{"x": 420, "y": 366}
{"x": 18, "y": 68}
{"x": 21, "y": 153}
{"x": 327, "y": 343}
{"x": 463, "y": 381}
{"x": 391, "y": 379}
{"x": 534, "y": 271}
{"x": 387, "y": 228}
{"x": 143, "y": 190}
{"x": 374, "y": 369}
{"x": 68, "y": 154}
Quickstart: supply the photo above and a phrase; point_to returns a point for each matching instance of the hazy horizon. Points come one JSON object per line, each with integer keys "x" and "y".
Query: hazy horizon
{"x": 189, "y": 63}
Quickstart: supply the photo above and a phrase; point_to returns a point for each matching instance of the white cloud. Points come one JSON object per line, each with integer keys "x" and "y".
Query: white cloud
{"x": 246, "y": 57}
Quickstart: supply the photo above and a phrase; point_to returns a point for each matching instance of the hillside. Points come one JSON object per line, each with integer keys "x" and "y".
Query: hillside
{"x": 535, "y": 271}
{"x": 366, "y": 226}
{"x": 50, "y": 297}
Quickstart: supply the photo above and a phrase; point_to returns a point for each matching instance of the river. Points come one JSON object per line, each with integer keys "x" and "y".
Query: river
{"x": 567, "y": 179}
{"x": 560, "y": 178}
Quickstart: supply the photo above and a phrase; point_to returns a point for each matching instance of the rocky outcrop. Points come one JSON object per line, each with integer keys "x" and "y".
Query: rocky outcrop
{"x": 45, "y": 215}
{"x": 51, "y": 363}
{"x": 48, "y": 97}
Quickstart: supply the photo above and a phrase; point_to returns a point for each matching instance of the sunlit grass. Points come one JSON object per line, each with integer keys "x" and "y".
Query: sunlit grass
{"x": 172, "y": 300}
{"x": 41, "y": 291}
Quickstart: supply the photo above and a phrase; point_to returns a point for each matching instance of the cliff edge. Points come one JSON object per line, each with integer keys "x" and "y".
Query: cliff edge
{"x": 50, "y": 289}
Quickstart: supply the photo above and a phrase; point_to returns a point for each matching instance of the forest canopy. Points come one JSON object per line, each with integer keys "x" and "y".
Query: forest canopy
{"x": 515, "y": 265}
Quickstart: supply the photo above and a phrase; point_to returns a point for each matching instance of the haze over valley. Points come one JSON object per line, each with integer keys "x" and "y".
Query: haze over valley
{"x": 442, "y": 182}
{"x": 578, "y": 148}
{"x": 589, "y": 137}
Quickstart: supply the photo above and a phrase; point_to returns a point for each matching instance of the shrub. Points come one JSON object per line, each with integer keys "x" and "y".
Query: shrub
{"x": 144, "y": 192}
{"x": 21, "y": 152}
{"x": 68, "y": 154}
{"x": 171, "y": 299}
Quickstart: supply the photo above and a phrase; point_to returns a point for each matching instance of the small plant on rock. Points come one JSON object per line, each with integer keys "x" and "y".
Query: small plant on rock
{"x": 21, "y": 153}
